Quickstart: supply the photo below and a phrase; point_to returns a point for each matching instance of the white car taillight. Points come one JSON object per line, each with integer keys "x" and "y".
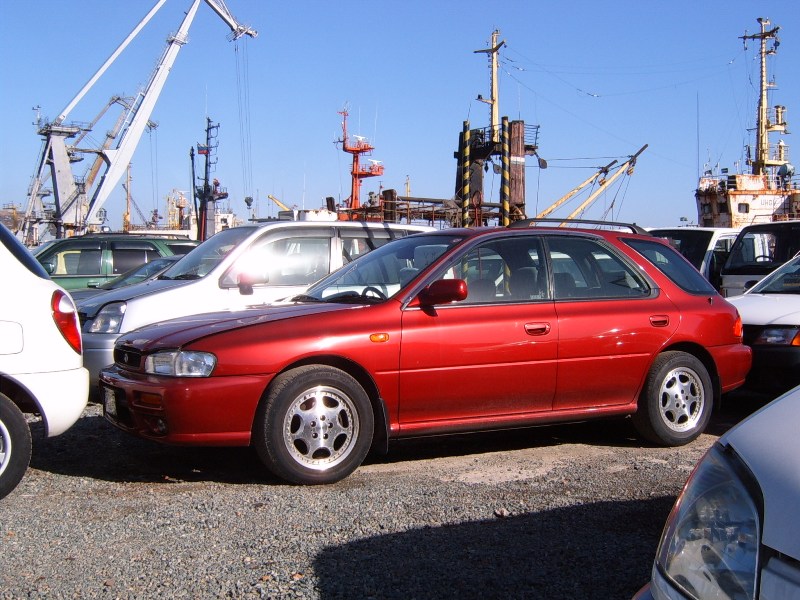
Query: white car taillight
{"x": 66, "y": 319}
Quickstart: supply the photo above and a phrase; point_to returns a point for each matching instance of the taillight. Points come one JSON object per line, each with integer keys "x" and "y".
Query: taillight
{"x": 66, "y": 319}
{"x": 738, "y": 328}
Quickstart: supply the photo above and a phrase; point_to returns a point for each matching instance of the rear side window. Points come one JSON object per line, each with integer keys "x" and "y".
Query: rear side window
{"x": 128, "y": 255}
{"x": 356, "y": 242}
{"x": 584, "y": 268}
{"x": 73, "y": 258}
{"x": 672, "y": 264}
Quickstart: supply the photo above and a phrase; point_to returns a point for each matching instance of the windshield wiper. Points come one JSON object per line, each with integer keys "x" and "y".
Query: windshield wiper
{"x": 306, "y": 298}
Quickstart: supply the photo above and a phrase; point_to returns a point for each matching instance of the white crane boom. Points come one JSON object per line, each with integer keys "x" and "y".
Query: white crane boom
{"x": 69, "y": 198}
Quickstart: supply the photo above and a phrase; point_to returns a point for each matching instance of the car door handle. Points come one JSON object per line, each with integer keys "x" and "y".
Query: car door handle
{"x": 537, "y": 328}
{"x": 659, "y": 320}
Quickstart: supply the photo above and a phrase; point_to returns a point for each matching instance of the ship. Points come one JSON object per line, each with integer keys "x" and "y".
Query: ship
{"x": 770, "y": 191}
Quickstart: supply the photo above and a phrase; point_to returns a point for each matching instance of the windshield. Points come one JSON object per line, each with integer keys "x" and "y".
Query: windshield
{"x": 383, "y": 272}
{"x": 201, "y": 261}
{"x": 785, "y": 280}
{"x": 760, "y": 249}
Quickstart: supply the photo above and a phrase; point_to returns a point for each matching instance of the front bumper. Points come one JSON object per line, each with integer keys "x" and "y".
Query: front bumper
{"x": 208, "y": 411}
{"x": 776, "y": 369}
{"x": 98, "y": 353}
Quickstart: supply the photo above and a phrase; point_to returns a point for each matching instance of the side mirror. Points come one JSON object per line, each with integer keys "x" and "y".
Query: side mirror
{"x": 49, "y": 267}
{"x": 749, "y": 284}
{"x": 246, "y": 281}
{"x": 443, "y": 291}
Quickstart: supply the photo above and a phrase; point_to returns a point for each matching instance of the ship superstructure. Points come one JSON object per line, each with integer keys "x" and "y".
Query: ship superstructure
{"x": 770, "y": 192}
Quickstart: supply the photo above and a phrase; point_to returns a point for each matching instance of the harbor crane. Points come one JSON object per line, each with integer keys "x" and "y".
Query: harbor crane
{"x": 77, "y": 201}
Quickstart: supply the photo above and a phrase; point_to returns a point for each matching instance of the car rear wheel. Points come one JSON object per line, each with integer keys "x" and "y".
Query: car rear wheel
{"x": 15, "y": 445}
{"x": 676, "y": 402}
{"x": 314, "y": 425}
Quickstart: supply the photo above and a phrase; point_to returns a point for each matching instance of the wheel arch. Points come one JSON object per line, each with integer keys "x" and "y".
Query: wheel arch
{"x": 380, "y": 438}
{"x": 703, "y": 355}
{"x": 21, "y": 396}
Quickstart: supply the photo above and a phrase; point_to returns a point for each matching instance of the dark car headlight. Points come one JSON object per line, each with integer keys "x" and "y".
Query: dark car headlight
{"x": 109, "y": 319}
{"x": 180, "y": 363}
{"x": 710, "y": 544}
{"x": 778, "y": 336}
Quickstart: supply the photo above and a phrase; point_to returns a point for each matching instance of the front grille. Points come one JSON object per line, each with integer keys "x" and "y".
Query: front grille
{"x": 128, "y": 358}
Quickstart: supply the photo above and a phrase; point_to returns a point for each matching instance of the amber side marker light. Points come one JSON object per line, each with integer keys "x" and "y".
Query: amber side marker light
{"x": 379, "y": 338}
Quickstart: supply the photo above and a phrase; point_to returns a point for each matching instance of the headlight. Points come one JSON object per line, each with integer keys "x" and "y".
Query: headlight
{"x": 179, "y": 363}
{"x": 709, "y": 548}
{"x": 779, "y": 336}
{"x": 109, "y": 319}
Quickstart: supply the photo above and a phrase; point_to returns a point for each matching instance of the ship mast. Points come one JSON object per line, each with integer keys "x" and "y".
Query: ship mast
{"x": 763, "y": 125}
{"x": 357, "y": 170}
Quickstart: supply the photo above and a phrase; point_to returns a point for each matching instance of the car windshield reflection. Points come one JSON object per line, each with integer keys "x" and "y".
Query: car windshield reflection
{"x": 382, "y": 273}
{"x": 785, "y": 280}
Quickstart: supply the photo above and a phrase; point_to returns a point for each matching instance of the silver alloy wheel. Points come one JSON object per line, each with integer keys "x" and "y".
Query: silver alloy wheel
{"x": 321, "y": 427}
{"x": 681, "y": 399}
{"x": 5, "y": 447}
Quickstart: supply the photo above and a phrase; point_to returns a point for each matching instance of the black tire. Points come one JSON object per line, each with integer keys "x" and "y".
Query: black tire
{"x": 676, "y": 402}
{"x": 314, "y": 425}
{"x": 15, "y": 446}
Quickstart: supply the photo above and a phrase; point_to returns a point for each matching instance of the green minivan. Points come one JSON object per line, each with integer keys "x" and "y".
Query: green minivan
{"x": 90, "y": 260}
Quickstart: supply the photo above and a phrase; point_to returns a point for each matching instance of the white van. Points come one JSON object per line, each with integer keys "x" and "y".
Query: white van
{"x": 236, "y": 268}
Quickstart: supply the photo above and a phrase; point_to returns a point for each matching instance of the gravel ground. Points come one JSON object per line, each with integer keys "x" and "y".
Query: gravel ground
{"x": 555, "y": 512}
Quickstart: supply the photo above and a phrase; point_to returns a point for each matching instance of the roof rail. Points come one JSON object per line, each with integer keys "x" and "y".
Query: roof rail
{"x": 633, "y": 227}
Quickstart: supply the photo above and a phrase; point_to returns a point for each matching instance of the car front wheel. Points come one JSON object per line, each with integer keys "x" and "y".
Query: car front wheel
{"x": 15, "y": 445}
{"x": 314, "y": 425}
{"x": 676, "y": 402}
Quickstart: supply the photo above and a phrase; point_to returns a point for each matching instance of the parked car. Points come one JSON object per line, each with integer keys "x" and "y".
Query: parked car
{"x": 770, "y": 312}
{"x": 759, "y": 250}
{"x": 144, "y": 272}
{"x": 41, "y": 369}
{"x": 706, "y": 248}
{"x": 235, "y": 268}
{"x": 442, "y": 332}
{"x": 733, "y": 532}
{"x": 89, "y": 261}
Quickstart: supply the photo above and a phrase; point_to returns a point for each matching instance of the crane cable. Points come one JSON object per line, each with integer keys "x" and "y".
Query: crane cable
{"x": 245, "y": 130}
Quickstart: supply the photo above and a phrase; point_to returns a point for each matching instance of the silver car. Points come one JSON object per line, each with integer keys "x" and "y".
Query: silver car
{"x": 733, "y": 532}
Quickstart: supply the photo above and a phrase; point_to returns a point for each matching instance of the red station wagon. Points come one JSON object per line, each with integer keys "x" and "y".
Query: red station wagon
{"x": 450, "y": 331}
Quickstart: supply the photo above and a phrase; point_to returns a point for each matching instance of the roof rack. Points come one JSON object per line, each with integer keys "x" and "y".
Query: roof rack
{"x": 633, "y": 227}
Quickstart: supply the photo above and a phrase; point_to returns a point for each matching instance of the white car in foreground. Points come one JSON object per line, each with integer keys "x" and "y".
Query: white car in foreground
{"x": 733, "y": 532}
{"x": 41, "y": 365}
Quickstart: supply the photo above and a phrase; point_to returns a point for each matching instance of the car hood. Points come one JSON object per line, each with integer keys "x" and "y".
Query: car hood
{"x": 92, "y": 304}
{"x": 178, "y": 332}
{"x": 768, "y": 309}
{"x": 767, "y": 442}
